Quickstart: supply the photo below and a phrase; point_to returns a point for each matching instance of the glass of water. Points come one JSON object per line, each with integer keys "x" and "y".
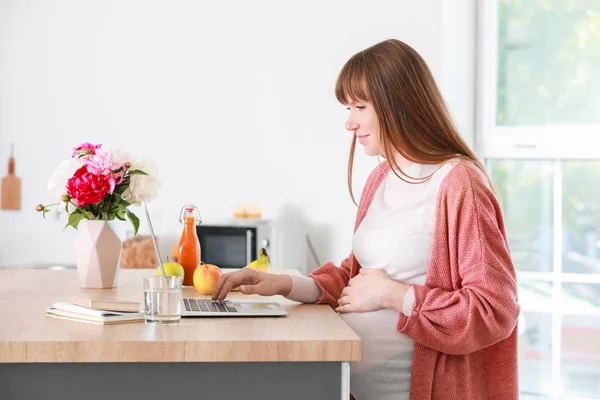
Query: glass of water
{"x": 162, "y": 300}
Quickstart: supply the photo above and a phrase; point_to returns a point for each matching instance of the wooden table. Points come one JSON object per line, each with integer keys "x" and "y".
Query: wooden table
{"x": 304, "y": 355}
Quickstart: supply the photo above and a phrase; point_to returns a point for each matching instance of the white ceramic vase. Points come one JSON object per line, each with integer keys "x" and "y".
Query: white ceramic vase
{"x": 97, "y": 254}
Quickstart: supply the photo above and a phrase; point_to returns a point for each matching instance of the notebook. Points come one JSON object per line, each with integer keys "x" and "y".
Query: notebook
{"x": 73, "y": 312}
{"x": 107, "y": 303}
{"x": 200, "y": 307}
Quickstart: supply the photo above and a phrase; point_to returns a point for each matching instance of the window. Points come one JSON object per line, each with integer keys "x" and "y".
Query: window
{"x": 538, "y": 129}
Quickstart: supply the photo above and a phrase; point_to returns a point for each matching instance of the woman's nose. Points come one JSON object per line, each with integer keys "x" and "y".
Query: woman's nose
{"x": 351, "y": 125}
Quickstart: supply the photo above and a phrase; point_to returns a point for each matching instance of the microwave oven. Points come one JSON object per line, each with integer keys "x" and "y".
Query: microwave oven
{"x": 235, "y": 244}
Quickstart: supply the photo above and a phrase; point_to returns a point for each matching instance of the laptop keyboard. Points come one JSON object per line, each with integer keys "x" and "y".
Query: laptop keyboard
{"x": 208, "y": 305}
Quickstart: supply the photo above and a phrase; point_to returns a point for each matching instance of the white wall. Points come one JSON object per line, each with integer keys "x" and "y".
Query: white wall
{"x": 234, "y": 101}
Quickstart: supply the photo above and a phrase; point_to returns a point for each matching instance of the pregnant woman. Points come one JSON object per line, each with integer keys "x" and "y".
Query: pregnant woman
{"x": 429, "y": 284}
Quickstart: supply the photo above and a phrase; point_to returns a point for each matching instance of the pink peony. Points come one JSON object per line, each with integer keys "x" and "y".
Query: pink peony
{"x": 88, "y": 188}
{"x": 85, "y": 148}
{"x": 103, "y": 164}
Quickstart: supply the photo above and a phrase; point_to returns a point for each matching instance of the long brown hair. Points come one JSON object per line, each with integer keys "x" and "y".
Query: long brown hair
{"x": 413, "y": 117}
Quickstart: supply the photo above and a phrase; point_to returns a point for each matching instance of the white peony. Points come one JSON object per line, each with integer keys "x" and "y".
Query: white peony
{"x": 57, "y": 183}
{"x": 142, "y": 188}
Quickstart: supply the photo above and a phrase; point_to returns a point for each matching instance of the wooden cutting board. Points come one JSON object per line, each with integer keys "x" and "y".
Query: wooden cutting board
{"x": 11, "y": 187}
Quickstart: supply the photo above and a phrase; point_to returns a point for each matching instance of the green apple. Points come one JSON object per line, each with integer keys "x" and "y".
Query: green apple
{"x": 172, "y": 269}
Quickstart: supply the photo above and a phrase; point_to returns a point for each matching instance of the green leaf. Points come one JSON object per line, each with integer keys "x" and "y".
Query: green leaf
{"x": 74, "y": 219}
{"x": 120, "y": 212}
{"x": 103, "y": 207}
{"x": 137, "y": 172}
{"x": 121, "y": 187}
{"x": 134, "y": 221}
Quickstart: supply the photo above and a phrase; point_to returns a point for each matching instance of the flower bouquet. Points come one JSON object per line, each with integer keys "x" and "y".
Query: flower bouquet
{"x": 96, "y": 186}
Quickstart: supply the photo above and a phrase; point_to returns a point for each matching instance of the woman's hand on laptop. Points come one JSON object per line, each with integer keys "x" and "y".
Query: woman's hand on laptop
{"x": 252, "y": 281}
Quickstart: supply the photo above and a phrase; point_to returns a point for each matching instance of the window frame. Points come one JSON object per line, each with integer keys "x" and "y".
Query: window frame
{"x": 518, "y": 142}
{"x": 548, "y": 142}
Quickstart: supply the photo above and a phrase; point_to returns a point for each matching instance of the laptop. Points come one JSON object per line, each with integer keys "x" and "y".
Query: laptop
{"x": 206, "y": 307}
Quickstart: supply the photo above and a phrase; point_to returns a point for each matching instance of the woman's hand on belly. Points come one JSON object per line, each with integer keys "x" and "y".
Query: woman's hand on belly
{"x": 372, "y": 290}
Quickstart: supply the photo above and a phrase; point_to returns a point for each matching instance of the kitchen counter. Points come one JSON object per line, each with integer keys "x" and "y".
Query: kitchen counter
{"x": 311, "y": 344}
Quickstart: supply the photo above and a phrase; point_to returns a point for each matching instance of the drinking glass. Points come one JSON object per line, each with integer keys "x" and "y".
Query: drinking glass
{"x": 162, "y": 300}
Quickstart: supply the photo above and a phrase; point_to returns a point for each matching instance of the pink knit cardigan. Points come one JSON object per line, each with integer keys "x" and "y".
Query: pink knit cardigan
{"x": 464, "y": 319}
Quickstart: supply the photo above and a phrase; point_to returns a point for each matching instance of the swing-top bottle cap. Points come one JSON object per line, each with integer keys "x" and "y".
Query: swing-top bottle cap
{"x": 190, "y": 208}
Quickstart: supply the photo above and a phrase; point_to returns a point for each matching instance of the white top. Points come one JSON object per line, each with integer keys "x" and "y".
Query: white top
{"x": 395, "y": 235}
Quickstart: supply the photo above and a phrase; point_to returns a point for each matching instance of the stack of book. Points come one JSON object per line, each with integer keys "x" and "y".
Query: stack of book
{"x": 97, "y": 310}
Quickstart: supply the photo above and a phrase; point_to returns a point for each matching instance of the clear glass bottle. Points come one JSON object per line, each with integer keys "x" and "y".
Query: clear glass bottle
{"x": 189, "y": 252}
